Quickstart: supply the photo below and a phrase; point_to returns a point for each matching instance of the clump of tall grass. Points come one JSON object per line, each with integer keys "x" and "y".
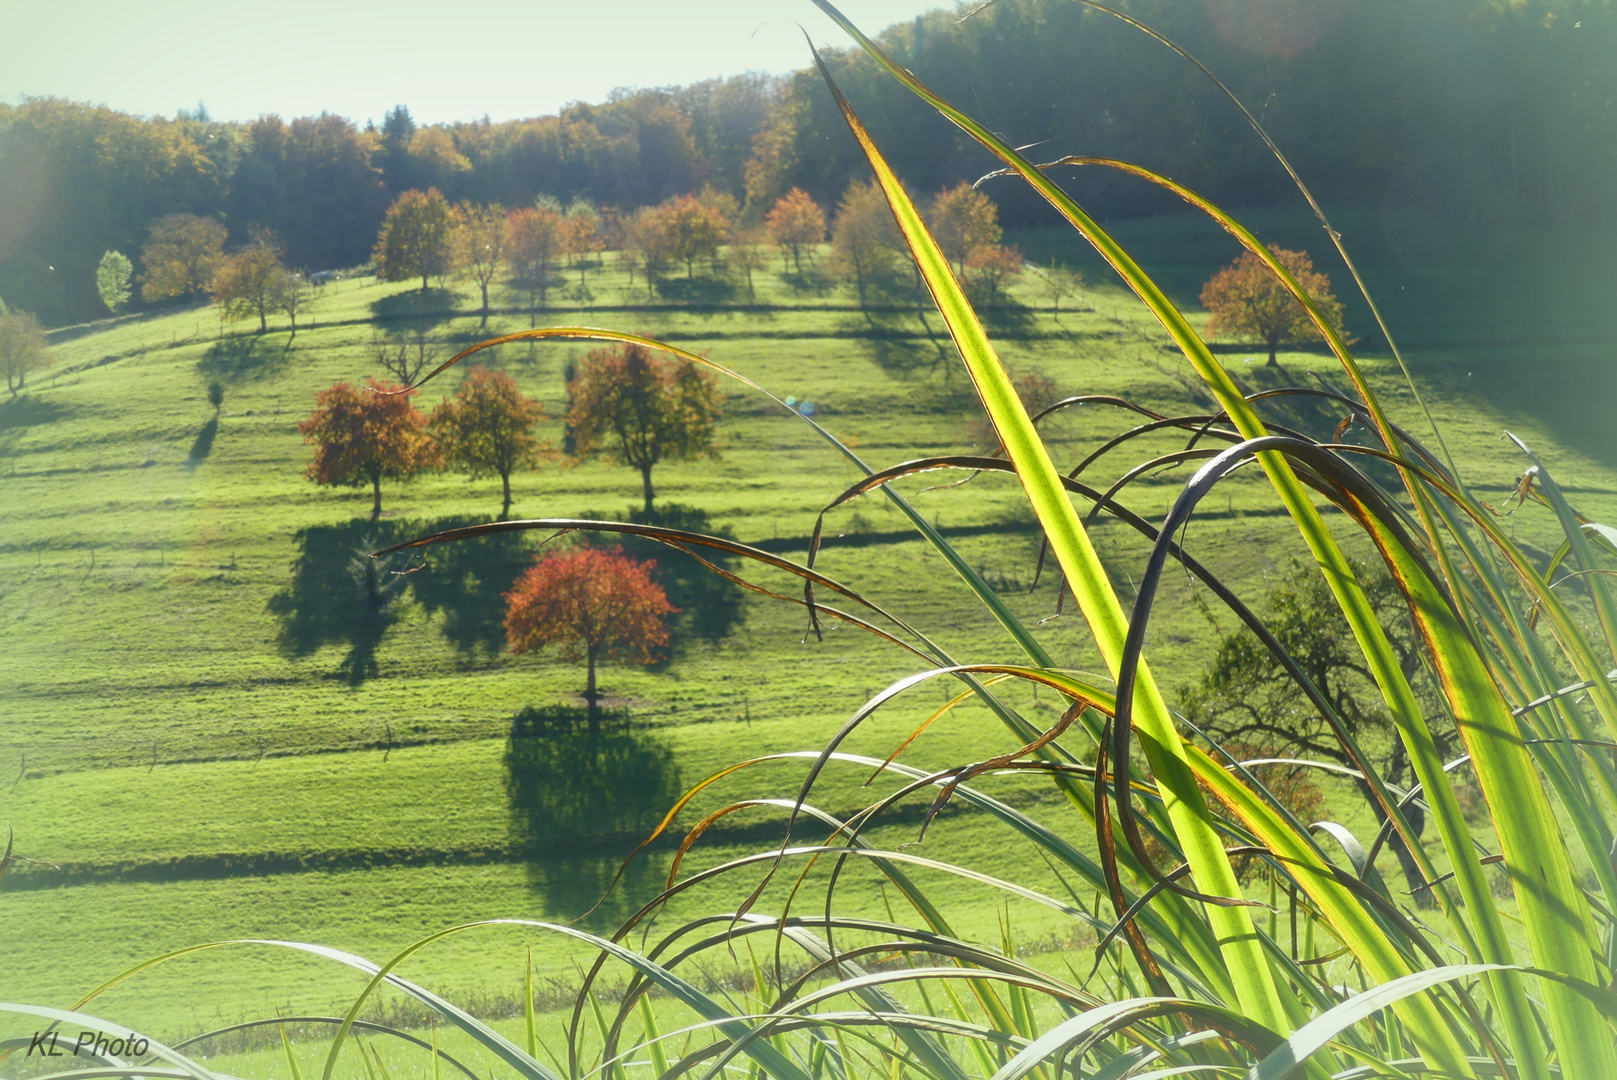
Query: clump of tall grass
{"x": 1206, "y": 977}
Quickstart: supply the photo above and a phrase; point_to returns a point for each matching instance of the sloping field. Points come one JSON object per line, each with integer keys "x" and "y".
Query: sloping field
{"x": 215, "y": 726}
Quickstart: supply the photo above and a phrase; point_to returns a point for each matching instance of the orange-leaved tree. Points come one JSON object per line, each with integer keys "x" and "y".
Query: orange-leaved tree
{"x": 641, "y": 410}
{"x": 534, "y": 243}
{"x": 488, "y": 429}
{"x": 362, "y": 434}
{"x": 591, "y": 605}
{"x": 794, "y": 223}
{"x": 695, "y": 229}
{"x": 964, "y": 220}
{"x": 1248, "y": 301}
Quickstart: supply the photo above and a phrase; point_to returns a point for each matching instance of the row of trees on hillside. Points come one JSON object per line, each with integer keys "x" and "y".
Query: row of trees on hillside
{"x": 424, "y": 236}
{"x": 624, "y": 404}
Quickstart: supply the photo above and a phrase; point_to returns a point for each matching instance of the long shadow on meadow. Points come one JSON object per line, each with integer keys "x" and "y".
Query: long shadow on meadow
{"x": 242, "y": 357}
{"x": 27, "y": 411}
{"x": 582, "y": 795}
{"x": 338, "y": 595}
{"x": 202, "y": 445}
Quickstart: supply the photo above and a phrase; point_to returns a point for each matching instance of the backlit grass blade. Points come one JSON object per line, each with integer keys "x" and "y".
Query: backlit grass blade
{"x": 1283, "y": 1063}
{"x": 765, "y": 1055}
{"x": 1492, "y": 944}
{"x": 1249, "y": 969}
{"x": 85, "y": 1023}
{"x": 1554, "y": 911}
{"x": 292, "y": 1065}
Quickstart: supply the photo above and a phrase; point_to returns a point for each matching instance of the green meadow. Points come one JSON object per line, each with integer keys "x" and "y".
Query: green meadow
{"x": 221, "y": 720}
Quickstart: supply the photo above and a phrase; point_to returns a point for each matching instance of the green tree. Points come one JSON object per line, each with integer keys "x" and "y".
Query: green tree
{"x": 488, "y": 429}
{"x": 482, "y": 234}
{"x": 252, "y": 282}
{"x": 695, "y": 230}
{"x": 964, "y": 220}
{"x": 23, "y": 348}
{"x": 864, "y": 238}
{"x": 641, "y": 411}
{"x": 113, "y": 277}
{"x": 1248, "y": 301}
{"x": 1246, "y": 698}
{"x": 417, "y": 238}
{"x": 182, "y": 254}
{"x": 746, "y": 253}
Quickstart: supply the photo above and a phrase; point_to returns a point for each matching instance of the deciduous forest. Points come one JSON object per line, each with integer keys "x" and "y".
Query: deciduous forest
{"x": 1485, "y": 111}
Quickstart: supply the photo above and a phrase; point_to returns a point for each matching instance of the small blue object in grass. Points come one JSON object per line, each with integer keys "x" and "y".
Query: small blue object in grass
{"x": 807, "y": 408}
{"x": 791, "y": 400}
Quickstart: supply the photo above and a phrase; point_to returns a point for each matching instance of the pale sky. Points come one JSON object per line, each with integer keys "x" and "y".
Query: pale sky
{"x": 358, "y": 58}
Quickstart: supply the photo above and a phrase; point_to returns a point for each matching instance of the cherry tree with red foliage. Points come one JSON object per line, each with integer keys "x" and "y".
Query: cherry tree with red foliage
{"x": 363, "y": 434}
{"x": 1247, "y": 300}
{"x": 592, "y": 605}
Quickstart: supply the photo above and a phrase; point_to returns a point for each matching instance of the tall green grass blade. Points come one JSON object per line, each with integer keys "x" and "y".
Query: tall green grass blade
{"x": 1255, "y": 985}
{"x": 765, "y": 1055}
{"x": 296, "y": 1071}
{"x": 529, "y": 1021}
{"x": 1493, "y": 945}
{"x": 1308, "y": 1040}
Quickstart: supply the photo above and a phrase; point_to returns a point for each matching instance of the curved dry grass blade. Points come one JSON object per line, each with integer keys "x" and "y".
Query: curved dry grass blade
{"x": 183, "y": 1065}
{"x": 1259, "y": 993}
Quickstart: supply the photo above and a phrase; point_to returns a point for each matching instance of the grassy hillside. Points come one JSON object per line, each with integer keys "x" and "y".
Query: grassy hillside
{"x": 208, "y": 737}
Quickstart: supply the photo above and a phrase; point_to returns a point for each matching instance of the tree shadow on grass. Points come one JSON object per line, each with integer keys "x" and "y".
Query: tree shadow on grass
{"x": 339, "y": 595}
{"x": 700, "y": 290}
{"x": 29, "y": 411}
{"x": 581, "y": 796}
{"x": 243, "y": 357}
{"x": 896, "y": 341}
{"x": 202, "y": 446}
{"x": 418, "y": 306}
{"x": 467, "y": 580}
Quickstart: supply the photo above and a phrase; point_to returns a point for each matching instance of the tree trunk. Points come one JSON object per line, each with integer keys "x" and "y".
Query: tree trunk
{"x": 483, "y": 285}
{"x": 505, "y": 510}
{"x": 376, "y": 497}
{"x": 645, "y": 487}
{"x": 1272, "y": 343}
{"x": 591, "y": 698}
{"x": 263, "y": 320}
{"x": 1406, "y": 861}
{"x": 423, "y": 282}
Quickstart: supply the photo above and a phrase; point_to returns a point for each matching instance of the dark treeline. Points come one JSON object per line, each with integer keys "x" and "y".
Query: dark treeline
{"x": 1490, "y": 112}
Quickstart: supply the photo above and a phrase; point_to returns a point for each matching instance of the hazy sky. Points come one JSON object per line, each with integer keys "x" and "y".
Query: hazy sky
{"x": 358, "y": 58}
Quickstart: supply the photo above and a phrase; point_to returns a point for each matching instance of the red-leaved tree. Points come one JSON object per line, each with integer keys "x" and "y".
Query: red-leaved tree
{"x": 591, "y": 605}
{"x": 1248, "y": 301}
{"x": 362, "y": 435}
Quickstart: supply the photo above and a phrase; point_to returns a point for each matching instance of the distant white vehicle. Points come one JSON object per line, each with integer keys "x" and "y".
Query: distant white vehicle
{"x": 321, "y": 277}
